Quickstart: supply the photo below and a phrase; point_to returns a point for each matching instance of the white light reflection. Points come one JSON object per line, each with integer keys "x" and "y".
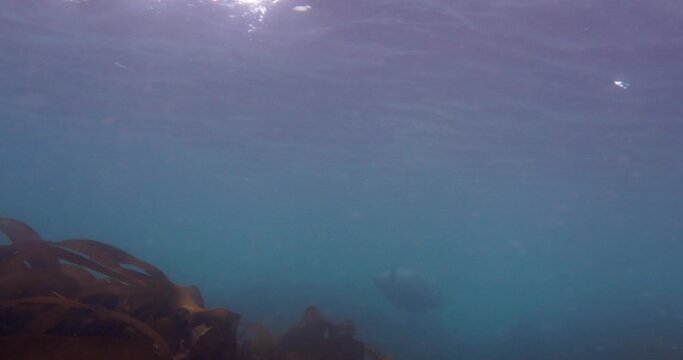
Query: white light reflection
{"x": 251, "y": 8}
{"x": 302, "y": 8}
{"x": 253, "y": 11}
{"x": 621, "y": 84}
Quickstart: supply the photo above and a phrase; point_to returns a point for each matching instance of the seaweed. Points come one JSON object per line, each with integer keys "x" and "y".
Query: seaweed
{"x": 81, "y": 298}
{"x": 86, "y": 288}
{"x": 314, "y": 337}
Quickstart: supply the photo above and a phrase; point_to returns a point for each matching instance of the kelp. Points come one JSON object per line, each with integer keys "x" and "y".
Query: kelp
{"x": 81, "y": 298}
{"x": 85, "y": 288}
{"x": 46, "y": 347}
{"x": 317, "y": 338}
{"x": 314, "y": 337}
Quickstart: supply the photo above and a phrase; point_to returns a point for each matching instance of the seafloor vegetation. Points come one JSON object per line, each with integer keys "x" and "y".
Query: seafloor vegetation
{"x": 84, "y": 299}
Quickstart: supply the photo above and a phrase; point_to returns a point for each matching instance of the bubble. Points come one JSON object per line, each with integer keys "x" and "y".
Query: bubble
{"x": 302, "y": 8}
{"x": 621, "y": 84}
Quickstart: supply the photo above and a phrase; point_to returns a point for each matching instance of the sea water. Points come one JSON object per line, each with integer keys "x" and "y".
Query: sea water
{"x": 525, "y": 156}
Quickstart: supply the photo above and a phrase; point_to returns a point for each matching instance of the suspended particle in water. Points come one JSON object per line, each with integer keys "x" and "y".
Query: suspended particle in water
{"x": 621, "y": 84}
{"x": 302, "y": 8}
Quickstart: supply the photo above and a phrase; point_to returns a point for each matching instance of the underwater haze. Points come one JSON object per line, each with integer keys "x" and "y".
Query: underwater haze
{"x": 526, "y": 156}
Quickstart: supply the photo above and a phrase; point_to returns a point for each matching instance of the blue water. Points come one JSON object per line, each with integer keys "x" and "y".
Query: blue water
{"x": 525, "y": 155}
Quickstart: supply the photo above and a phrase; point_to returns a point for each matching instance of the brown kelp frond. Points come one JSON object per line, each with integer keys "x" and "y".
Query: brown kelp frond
{"x": 258, "y": 342}
{"x": 27, "y": 243}
{"x": 88, "y": 263}
{"x": 188, "y": 298}
{"x": 116, "y": 259}
{"x": 101, "y": 314}
{"x": 88, "y": 288}
{"x": 36, "y": 282}
{"x": 18, "y": 232}
{"x": 92, "y": 296}
{"x": 314, "y": 337}
{"x": 22, "y": 347}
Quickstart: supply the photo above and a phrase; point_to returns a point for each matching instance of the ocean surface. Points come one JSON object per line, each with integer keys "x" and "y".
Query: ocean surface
{"x": 526, "y": 156}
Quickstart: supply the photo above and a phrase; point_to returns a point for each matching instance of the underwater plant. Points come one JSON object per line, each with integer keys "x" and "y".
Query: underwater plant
{"x": 78, "y": 299}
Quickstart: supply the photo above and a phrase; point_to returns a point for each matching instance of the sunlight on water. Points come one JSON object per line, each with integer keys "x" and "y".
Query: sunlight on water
{"x": 258, "y": 8}
{"x": 254, "y": 11}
